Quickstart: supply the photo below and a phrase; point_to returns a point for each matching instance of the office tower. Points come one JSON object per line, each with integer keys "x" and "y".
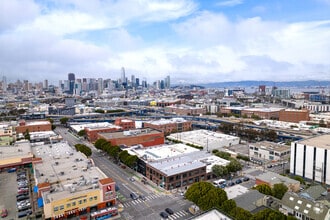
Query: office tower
{"x": 133, "y": 81}
{"x": 137, "y": 82}
{"x": 4, "y": 83}
{"x": 167, "y": 82}
{"x": 123, "y": 78}
{"x": 45, "y": 84}
{"x": 71, "y": 78}
{"x": 100, "y": 86}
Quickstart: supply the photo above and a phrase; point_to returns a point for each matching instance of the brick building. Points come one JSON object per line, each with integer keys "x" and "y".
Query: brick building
{"x": 126, "y": 124}
{"x": 33, "y": 126}
{"x": 92, "y": 132}
{"x": 169, "y": 125}
{"x": 146, "y": 137}
{"x": 293, "y": 115}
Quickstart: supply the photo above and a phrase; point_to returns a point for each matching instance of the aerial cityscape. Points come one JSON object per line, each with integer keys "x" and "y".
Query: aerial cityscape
{"x": 153, "y": 109}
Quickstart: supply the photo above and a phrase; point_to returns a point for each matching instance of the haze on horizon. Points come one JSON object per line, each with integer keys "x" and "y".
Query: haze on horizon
{"x": 192, "y": 41}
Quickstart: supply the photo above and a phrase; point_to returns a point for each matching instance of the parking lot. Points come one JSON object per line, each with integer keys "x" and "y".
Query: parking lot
{"x": 9, "y": 189}
{"x": 8, "y": 192}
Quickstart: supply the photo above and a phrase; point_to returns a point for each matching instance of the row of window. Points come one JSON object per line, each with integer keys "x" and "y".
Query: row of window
{"x": 74, "y": 203}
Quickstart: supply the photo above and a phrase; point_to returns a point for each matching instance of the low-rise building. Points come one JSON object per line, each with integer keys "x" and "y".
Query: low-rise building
{"x": 271, "y": 178}
{"x": 169, "y": 125}
{"x": 7, "y": 133}
{"x": 33, "y": 126}
{"x": 126, "y": 124}
{"x": 184, "y": 110}
{"x": 68, "y": 184}
{"x": 302, "y": 208}
{"x": 293, "y": 115}
{"x": 269, "y": 151}
{"x": 146, "y": 137}
{"x": 209, "y": 140}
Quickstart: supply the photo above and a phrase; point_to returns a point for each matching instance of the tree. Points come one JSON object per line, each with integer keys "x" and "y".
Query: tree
{"x": 64, "y": 120}
{"x": 300, "y": 179}
{"x": 114, "y": 151}
{"x": 269, "y": 214}
{"x": 279, "y": 190}
{"x": 228, "y": 205}
{"x": 27, "y": 134}
{"x": 219, "y": 170}
{"x": 264, "y": 189}
{"x": 98, "y": 144}
{"x": 223, "y": 155}
{"x": 83, "y": 149}
{"x": 205, "y": 195}
{"x": 99, "y": 111}
{"x": 234, "y": 166}
{"x": 240, "y": 213}
{"x": 82, "y": 133}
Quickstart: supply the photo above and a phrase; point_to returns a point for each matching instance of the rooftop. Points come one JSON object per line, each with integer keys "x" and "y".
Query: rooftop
{"x": 274, "y": 178}
{"x": 21, "y": 149}
{"x": 321, "y": 141}
{"x": 91, "y": 126}
{"x": 124, "y": 134}
{"x": 167, "y": 121}
{"x": 271, "y": 146}
{"x": 66, "y": 170}
{"x": 248, "y": 200}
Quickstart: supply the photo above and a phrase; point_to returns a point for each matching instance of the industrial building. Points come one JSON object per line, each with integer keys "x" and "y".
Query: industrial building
{"x": 209, "y": 140}
{"x": 146, "y": 137}
{"x": 310, "y": 158}
{"x": 294, "y": 115}
{"x": 271, "y": 178}
{"x": 33, "y": 126}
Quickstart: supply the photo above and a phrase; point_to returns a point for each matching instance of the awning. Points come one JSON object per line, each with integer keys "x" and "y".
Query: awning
{"x": 35, "y": 189}
{"x": 40, "y": 202}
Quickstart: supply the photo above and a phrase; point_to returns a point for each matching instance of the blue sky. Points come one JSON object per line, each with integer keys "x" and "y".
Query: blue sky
{"x": 192, "y": 41}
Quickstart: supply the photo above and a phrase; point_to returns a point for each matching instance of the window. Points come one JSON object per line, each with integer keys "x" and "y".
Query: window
{"x": 85, "y": 200}
{"x": 95, "y": 197}
{"x": 255, "y": 148}
{"x": 90, "y": 199}
{"x": 80, "y": 202}
{"x": 61, "y": 207}
{"x": 73, "y": 203}
{"x": 55, "y": 209}
{"x": 308, "y": 205}
{"x": 68, "y": 205}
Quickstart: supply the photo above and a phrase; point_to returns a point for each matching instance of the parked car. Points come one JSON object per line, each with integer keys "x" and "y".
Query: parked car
{"x": 231, "y": 184}
{"x": 142, "y": 197}
{"x": 4, "y": 213}
{"x": 21, "y": 198}
{"x": 163, "y": 215}
{"x": 246, "y": 179}
{"x": 238, "y": 181}
{"x": 169, "y": 211}
{"x": 22, "y": 214}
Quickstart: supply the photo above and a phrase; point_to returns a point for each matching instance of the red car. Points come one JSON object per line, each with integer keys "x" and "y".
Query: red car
{"x": 4, "y": 213}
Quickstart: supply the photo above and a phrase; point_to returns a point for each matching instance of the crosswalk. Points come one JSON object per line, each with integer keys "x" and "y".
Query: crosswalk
{"x": 137, "y": 201}
{"x": 179, "y": 214}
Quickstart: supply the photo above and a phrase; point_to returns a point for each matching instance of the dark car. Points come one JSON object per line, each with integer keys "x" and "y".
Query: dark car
{"x": 134, "y": 196}
{"x": 169, "y": 211}
{"x": 246, "y": 179}
{"x": 21, "y": 198}
{"x": 238, "y": 181}
{"x": 142, "y": 197}
{"x": 231, "y": 183}
{"x": 163, "y": 215}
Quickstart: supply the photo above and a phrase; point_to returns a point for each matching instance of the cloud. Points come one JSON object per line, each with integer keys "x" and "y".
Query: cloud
{"x": 229, "y": 3}
{"x": 15, "y": 12}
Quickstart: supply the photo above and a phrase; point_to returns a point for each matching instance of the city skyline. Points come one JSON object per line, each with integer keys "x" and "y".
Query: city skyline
{"x": 192, "y": 41}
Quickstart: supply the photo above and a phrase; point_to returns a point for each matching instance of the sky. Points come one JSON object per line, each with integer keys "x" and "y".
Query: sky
{"x": 192, "y": 41}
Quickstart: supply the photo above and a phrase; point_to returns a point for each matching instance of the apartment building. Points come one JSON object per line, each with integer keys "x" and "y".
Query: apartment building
{"x": 269, "y": 151}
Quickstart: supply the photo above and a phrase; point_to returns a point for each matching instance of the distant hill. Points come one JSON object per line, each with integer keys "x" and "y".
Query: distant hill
{"x": 253, "y": 83}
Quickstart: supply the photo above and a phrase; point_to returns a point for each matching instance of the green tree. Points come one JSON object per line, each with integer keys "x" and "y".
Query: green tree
{"x": 219, "y": 170}
{"x": 27, "y": 134}
{"x": 234, "y": 166}
{"x": 279, "y": 190}
{"x": 100, "y": 111}
{"x": 123, "y": 156}
{"x": 228, "y": 205}
{"x": 99, "y": 142}
{"x": 300, "y": 179}
{"x": 205, "y": 195}
{"x": 82, "y": 133}
{"x": 83, "y": 149}
{"x": 264, "y": 189}
{"x": 240, "y": 213}
{"x": 223, "y": 155}
{"x": 64, "y": 120}
{"x": 114, "y": 151}
{"x": 269, "y": 214}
